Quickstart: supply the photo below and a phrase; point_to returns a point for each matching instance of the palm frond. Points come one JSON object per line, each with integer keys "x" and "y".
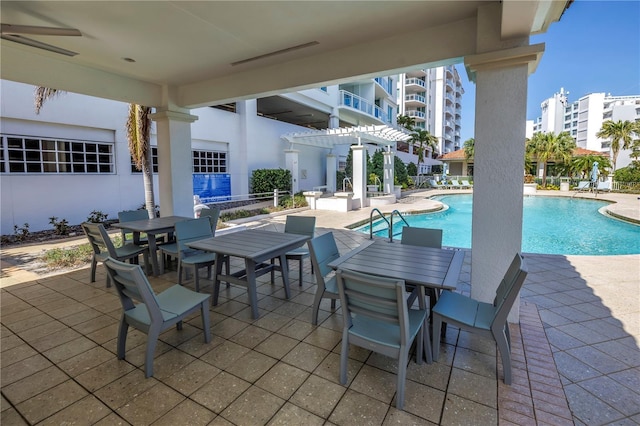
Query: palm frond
{"x": 42, "y": 94}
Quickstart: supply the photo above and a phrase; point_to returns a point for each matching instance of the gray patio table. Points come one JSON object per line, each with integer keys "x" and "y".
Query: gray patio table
{"x": 152, "y": 227}
{"x": 420, "y": 266}
{"x": 255, "y": 246}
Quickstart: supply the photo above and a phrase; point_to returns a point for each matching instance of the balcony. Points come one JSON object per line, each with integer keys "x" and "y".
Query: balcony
{"x": 415, "y": 82}
{"x": 415, "y": 114}
{"x": 449, "y": 124}
{"x": 348, "y": 99}
{"x": 387, "y": 84}
{"x": 415, "y": 100}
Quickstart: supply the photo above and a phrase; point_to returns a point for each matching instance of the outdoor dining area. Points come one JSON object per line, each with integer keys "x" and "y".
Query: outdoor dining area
{"x": 256, "y": 343}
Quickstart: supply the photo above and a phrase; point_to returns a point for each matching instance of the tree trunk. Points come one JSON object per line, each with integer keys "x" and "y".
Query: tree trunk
{"x": 147, "y": 178}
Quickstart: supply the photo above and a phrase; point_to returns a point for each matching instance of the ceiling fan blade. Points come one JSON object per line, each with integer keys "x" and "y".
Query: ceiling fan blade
{"x": 40, "y": 45}
{"x": 8, "y": 29}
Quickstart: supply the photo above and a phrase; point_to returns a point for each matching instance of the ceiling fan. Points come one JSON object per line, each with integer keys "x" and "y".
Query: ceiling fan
{"x": 16, "y": 33}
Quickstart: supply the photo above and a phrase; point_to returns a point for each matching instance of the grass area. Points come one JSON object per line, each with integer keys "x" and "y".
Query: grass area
{"x": 70, "y": 257}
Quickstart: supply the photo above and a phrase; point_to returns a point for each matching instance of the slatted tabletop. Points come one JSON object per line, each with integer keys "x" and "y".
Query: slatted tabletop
{"x": 425, "y": 266}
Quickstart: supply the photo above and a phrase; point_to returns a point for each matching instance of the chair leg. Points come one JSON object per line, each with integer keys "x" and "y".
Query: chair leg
{"x": 94, "y": 265}
{"x": 316, "y": 307}
{"x": 344, "y": 357}
{"x": 301, "y": 265}
{"x": 402, "y": 375}
{"x": 503, "y": 347}
{"x": 196, "y": 277}
{"x": 152, "y": 340}
{"x": 427, "y": 341}
{"x": 122, "y": 337}
{"x": 435, "y": 336}
{"x": 227, "y": 269}
{"x": 179, "y": 272}
{"x": 204, "y": 312}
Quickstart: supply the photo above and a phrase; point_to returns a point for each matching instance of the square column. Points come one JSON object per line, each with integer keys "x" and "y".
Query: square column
{"x": 332, "y": 167}
{"x": 388, "y": 180}
{"x": 359, "y": 176}
{"x": 175, "y": 163}
{"x": 291, "y": 162}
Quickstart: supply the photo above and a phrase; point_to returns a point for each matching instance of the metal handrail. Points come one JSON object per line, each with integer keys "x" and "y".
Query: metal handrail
{"x": 401, "y": 217}
{"x": 371, "y": 224}
{"x": 344, "y": 187}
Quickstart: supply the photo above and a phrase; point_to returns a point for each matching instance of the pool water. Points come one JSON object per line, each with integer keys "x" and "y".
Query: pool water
{"x": 551, "y": 225}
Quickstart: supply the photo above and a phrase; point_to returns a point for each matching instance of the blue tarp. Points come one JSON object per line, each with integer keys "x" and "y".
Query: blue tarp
{"x": 212, "y": 187}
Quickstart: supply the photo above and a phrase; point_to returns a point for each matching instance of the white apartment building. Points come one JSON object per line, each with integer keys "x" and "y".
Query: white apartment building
{"x": 73, "y": 158}
{"x": 433, "y": 97}
{"x": 583, "y": 118}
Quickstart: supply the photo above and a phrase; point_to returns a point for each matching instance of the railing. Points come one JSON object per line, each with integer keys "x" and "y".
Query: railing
{"x": 344, "y": 184}
{"x": 371, "y": 224}
{"x": 414, "y": 97}
{"x": 401, "y": 217}
{"x": 415, "y": 113}
{"x": 356, "y": 102}
{"x": 386, "y": 83}
{"x": 415, "y": 81}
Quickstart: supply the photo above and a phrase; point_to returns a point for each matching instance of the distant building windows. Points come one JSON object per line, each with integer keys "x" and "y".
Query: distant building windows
{"x": 36, "y": 155}
{"x": 209, "y": 162}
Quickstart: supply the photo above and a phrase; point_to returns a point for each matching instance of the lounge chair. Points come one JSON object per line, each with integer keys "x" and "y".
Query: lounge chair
{"x": 437, "y": 185}
{"x": 604, "y": 186}
{"x": 466, "y": 184}
{"x": 455, "y": 184}
{"x": 583, "y": 185}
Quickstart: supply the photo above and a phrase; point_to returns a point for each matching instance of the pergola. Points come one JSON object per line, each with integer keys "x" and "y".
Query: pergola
{"x": 175, "y": 56}
{"x": 356, "y": 137}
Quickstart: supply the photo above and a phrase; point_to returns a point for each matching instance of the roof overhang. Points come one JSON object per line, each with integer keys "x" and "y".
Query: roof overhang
{"x": 328, "y": 138}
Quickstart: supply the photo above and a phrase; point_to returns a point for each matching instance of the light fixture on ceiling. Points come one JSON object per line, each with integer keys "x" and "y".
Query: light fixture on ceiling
{"x": 15, "y": 33}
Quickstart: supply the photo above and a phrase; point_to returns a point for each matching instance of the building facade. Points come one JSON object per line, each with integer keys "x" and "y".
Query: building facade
{"x": 433, "y": 98}
{"x": 583, "y": 118}
{"x": 73, "y": 158}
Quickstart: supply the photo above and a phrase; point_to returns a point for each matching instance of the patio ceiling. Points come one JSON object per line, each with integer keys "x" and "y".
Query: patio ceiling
{"x": 328, "y": 138}
{"x": 196, "y": 53}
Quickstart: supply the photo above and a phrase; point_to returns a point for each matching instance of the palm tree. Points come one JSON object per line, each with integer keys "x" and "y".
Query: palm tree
{"x": 406, "y": 122}
{"x": 583, "y": 164}
{"x": 469, "y": 148}
{"x": 618, "y": 131}
{"x": 547, "y": 147}
{"x": 423, "y": 140}
{"x": 138, "y": 135}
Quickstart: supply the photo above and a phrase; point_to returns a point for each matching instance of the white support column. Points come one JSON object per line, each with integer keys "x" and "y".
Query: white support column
{"x": 501, "y": 103}
{"x": 359, "y": 176}
{"x": 388, "y": 180}
{"x": 291, "y": 162}
{"x": 332, "y": 167}
{"x": 175, "y": 163}
{"x": 247, "y": 111}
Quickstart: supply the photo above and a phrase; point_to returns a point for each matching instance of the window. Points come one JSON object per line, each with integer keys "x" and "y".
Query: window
{"x": 323, "y": 88}
{"x": 209, "y": 162}
{"x": 35, "y": 155}
{"x": 154, "y": 160}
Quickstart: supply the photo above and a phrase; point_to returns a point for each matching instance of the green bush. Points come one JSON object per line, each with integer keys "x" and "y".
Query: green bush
{"x": 299, "y": 201}
{"x": 266, "y": 180}
{"x": 630, "y": 173}
{"x": 412, "y": 169}
{"x": 96, "y": 216}
{"x": 61, "y": 227}
{"x": 401, "y": 176}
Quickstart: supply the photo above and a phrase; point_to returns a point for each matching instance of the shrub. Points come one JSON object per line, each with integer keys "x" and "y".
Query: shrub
{"x": 630, "y": 173}
{"x": 298, "y": 201}
{"x": 21, "y": 233}
{"x": 68, "y": 257}
{"x": 96, "y": 216}
{"x": 266, "y": 180}
{"x": 61, "y": 227}
{"x": 412, "y": 169}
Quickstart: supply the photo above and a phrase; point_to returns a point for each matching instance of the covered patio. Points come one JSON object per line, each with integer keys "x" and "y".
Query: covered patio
{"x": 59, "y": 363}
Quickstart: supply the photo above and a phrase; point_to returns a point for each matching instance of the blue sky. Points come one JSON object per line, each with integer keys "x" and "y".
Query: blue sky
{"x": 594, "y": 48}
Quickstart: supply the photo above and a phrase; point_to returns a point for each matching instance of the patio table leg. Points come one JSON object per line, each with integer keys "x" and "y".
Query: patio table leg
{"x": 153, "y": 253}
{"x": 284, "y": 269}
{"x": 250, "y": 266}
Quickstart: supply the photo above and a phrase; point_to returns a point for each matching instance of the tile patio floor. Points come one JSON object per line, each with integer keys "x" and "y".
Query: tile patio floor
{"x": 575, "y": 355}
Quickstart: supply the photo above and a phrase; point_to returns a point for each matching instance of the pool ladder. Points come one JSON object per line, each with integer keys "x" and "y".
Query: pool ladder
{"x": 389, "y": 222}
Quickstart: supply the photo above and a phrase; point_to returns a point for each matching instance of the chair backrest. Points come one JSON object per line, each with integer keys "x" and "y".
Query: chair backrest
{"x": 455, "y": 182}
{"x": 583, "y": 184}
{"x": 604, "y": 185}
{"x": 466, "y": 183}
{"x": 379, "y": 299}
{"x": 192, "y": 230}
{"x": 132, "y": 286}
{"x": 130, "y": 216}
{"x": 433, "y": 183}
{"x": 509, "y": 288}
{"x": 99, "y": 239}
{"x": 425, "y": 237}
{"x": 323, "y": 250}
{"x": 302, "y": 225}
{"x": 213, "y": 214}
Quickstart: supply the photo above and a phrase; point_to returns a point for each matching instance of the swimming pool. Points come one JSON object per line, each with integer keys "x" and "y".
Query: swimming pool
{"x": 551, "y": 225}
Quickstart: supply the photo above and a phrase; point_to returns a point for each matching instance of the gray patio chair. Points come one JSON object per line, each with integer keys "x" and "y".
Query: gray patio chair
{"x": 376, "y": 318}
{"x": 486, "y": 319}
{"x": 301, "y": 225}
{"x": 213, "y": 214}
{"x": 455, "y": 184}
{"x": 189, "y": 231}
{"x": 424, "y": 237}
{"x": 103, "y": 248}
{"x": 153, "y": 313}
{"x": 323, "y": 250}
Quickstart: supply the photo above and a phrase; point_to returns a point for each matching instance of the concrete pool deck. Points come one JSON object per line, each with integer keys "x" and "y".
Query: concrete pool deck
{"x": 575, "y": 352}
